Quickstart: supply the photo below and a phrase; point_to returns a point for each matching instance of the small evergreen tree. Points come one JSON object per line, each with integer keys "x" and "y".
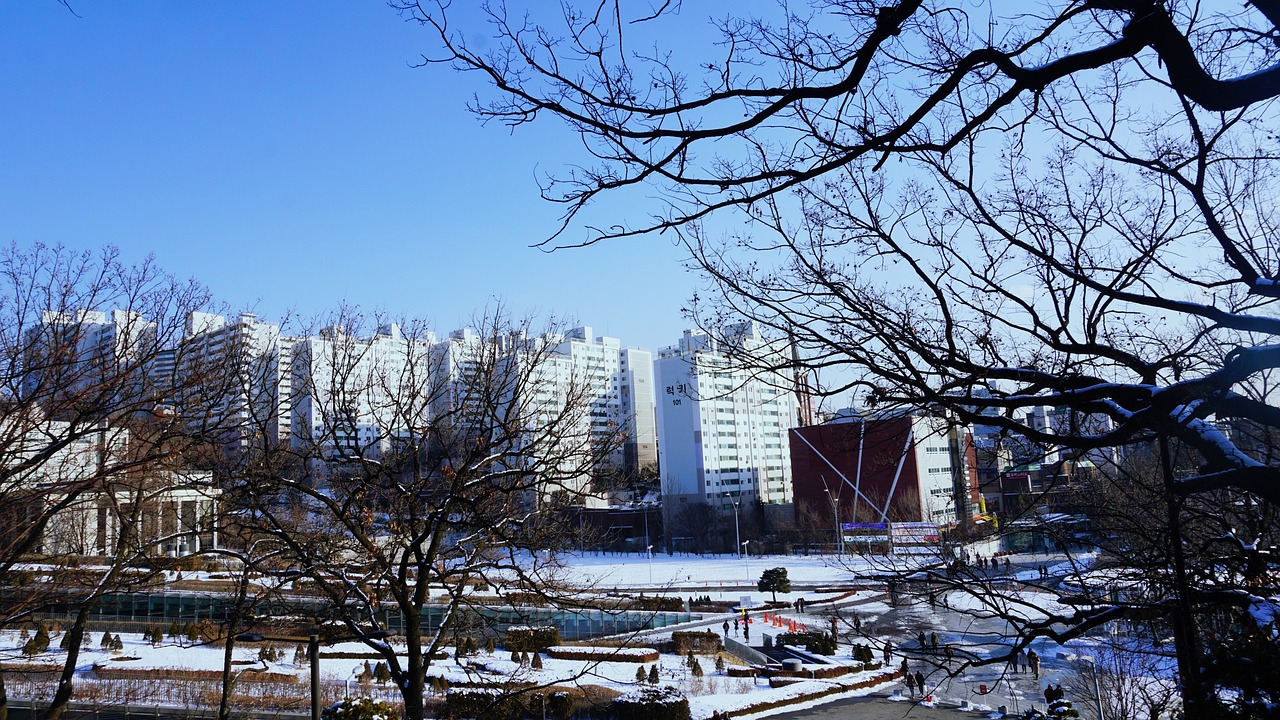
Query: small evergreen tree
{"x": 41, "y": 638}
{"x": 653, "y": 675}
{"x": 719, "y": 664}
{"x": 696, "y": 668}
{"x": 105, "y": 643}
{"x": 192, "y": 632}
{"x": 515, "y": 657}
{"x": 299, "y": 655}
{"x": 488, "y": 645}
{"x": 536, "y": 662}
{"x": 774, "y": 580}
{"x": 640, "y": 674}
{"x": 381, "y": 673}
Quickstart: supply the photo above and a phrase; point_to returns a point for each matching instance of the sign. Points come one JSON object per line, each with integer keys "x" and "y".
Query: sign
{"x": 882, "y": 527}
{"x": 914, "y": 532}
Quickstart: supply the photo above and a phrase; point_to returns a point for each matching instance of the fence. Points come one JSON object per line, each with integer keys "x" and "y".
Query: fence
{"x": 750, "y": 654}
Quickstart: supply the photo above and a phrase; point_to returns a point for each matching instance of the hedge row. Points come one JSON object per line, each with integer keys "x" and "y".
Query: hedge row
{"x": 814, "y": 641}
{"x": 631, "y": 655}
{"x": 121, "y": 673}
{"x": 651, "y": 703}
{"x": 504, "y": 704}
{"x": 698, "y": 642}
{"x": 530, "y": 639}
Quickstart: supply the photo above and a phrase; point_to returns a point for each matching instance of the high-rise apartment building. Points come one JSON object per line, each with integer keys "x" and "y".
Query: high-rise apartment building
{"x": 352, "y": 396}
{"x": 722, "y": 425}
{"x": 618, "y": 385}
{"x": 89, "y": 353}
{"x": 247, "y": 378}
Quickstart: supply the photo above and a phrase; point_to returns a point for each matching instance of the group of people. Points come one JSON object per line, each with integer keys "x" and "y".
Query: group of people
{"x": 744, "y": 625}
{"x": 1028, "y": 661}
{"x": 985, "y": 563}
{"x": 913, "y": 681}
{"x": 1053, "y": 693}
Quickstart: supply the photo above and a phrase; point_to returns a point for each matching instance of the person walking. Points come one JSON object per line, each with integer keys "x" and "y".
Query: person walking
{"x": 910, "y": 680}
{"x": 920, "y": 638}
{"x": 933, "y": 641}
{"x": 1022, "y": 661}
{"x": 888, "y": 651}
{"x": 1048, "y": 694}
{"x": 726, "y": 628}
{"x": 920, "y": 682}
{"x": 1033, "y": 657}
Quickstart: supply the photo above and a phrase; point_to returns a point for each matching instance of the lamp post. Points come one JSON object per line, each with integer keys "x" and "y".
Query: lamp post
{"x": 1097, "y": 689}
{"x": 313, "y": 657}
{"x": 835, "y": 516}
{"x": 649, "y": 551}
{"x": 745, "y": 560}
{"x": 737, "y": 535}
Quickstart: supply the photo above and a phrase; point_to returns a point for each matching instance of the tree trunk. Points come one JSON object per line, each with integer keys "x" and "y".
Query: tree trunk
{"x": 66, "y": 682}
{"x": 4, "y": 699}
{"x": 414, "y": 683}
{"x": 1194, "y": 700}
{"x": 224, "y": 701}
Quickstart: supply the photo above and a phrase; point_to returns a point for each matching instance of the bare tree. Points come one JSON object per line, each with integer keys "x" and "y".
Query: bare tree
{"x": 421, "y": 470}
{"x": 95, "y": 422}
{"x": 968, "y": 207}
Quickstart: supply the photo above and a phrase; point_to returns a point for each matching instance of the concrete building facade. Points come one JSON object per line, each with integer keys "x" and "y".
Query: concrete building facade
{"x": 722, "y": 426}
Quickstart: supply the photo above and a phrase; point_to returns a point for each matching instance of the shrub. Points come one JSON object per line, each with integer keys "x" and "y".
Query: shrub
{"x": 702, "y": 643}
{"x": 609, "y": 654}
{"x": 813, "y": 641}
{"x": 659, "y": 604}
{"x": 641, "y": 674}
{"x": 480, "y": 703}
{"x": 360, "y": 709}
{"x": 536, "y": 662}
{"x": 525, "y": 639}
{"x": 656, "y": 703}
{"x": 653, "y": 675}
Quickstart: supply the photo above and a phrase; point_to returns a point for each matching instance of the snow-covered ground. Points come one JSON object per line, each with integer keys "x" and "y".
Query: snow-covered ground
{"x": 723, "y": 578}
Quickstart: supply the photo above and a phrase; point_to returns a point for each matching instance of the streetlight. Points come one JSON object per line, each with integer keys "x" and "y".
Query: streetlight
{"x": 1097, "y": 690}
{"x": 737, "y": 536}
{"x": 313, "y": 657}
{"x": 745, "y": 563}
{"x": 835, "y": 514}
{"x": 649, "y": 551}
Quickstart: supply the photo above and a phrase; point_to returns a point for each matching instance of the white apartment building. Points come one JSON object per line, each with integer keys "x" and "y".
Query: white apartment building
{"x": 591, "y": 388}
{"x": 249, "y": 376}
{"x": 722, "y": 428}
{"x": 352, "y": 396}
{"x": 619, "y": 385}
{"x": 115, "y": 349}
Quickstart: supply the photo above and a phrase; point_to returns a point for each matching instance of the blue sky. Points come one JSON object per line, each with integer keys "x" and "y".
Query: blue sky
{"x": 288, "y": 155}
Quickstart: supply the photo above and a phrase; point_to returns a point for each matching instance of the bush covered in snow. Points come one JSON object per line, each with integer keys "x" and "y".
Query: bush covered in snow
{"x": 360, "y": 709}
{"x": 522, "y": 638}
{"x": 651, "y": 703}
{"x": 610, "y": 654}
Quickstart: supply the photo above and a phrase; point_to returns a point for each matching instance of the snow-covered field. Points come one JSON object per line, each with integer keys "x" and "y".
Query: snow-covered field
{"x": 721, "y": 577}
